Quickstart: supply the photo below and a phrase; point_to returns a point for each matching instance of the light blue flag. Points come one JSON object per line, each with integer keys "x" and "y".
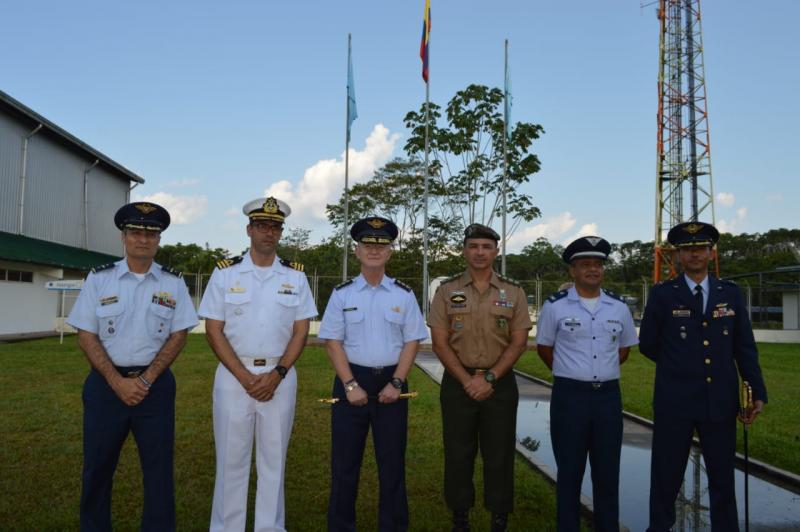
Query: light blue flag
{"x": 352, "y": 112}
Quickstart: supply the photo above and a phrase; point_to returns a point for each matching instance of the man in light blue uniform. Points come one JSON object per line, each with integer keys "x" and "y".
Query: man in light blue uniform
{"x": 583, "y": 335}
{"x": 372, "y": 327}
{"x": 132, "y": 317}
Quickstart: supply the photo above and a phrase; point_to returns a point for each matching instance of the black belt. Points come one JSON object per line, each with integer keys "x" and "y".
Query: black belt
{"x": 594, "y": 385}
{"x": 130, "y": 371}
{"x": 377, "y": 370}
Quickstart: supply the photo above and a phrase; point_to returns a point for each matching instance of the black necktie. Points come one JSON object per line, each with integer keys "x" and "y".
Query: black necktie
{"x": 698, "y": 297}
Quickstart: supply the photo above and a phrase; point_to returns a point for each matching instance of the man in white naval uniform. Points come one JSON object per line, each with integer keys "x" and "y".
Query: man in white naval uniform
{"x": 257, "y": 309}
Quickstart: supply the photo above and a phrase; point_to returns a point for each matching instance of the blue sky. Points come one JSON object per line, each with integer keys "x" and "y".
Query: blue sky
{"x": 215, "y": 103}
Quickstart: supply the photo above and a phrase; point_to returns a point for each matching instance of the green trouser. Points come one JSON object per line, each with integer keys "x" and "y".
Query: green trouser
{"x": 492, "y": 424}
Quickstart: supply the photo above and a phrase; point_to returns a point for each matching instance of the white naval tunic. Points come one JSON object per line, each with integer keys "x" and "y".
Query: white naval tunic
{"x": 259, "y": 310}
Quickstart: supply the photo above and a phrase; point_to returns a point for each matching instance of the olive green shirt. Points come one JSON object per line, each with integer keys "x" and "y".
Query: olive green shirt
{"x": 480, "y": 325}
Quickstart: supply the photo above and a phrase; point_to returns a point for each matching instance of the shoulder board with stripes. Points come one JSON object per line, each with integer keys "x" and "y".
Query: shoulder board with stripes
{"x": 293, "y": 265}
{"x": 167, "y": 269}
{"x": 612, "y": 295}
{"x": 227, "y": 263}
{"x": 342, "y": 285}
{"x": 561, "y": 294}
{"x": 402, "y": 285}
{"x": 451, "y": 278}
{"x": 103, "y": 267}
{"x": 508, "y": 280}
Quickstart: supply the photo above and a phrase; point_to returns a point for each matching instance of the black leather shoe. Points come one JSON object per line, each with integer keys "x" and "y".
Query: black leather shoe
{"x": 499, "y": 522}
{"x": 461, "y": 521}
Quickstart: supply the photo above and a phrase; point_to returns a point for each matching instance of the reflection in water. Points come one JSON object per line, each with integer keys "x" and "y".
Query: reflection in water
{"x": 772, "y": 507}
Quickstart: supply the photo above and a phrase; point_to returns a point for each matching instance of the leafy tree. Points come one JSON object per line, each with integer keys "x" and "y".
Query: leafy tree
{"x": 190, "y": 258}
{"x": 468, "y": 154}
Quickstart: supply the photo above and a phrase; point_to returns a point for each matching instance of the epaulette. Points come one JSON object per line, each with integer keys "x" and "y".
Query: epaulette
{"x": 342, "y": 285}
{"x": 176, "y": 273}
{"x": 402, "y": 285}
{"x": 103, "y": 267}
{"x": 227, "y": 263}
{"x": 293, "y": 265}
{"x": 451, "y": 278}
{"x": 561, "y": 294}
{"x": 728, "y": 282}
{"x": 508, "y": 280}
{"x": 612, "y": 295}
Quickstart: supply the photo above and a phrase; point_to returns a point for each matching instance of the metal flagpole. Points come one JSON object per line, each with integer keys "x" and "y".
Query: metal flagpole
{"x": 425, "y": 230}
{"x": 505, "y": 159}
{"x": 346, "y": 167}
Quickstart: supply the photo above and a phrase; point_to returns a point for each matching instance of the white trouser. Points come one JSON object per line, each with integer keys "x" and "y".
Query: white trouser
{"x": 237, "y": 417}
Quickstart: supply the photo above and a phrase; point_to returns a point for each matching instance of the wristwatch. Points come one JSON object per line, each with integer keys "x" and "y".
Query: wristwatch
{"x": 490, "y": 378}
{"x": 350, "y": 385}
{"x": 398, "y": 383}
{"x": 281, "y": 371}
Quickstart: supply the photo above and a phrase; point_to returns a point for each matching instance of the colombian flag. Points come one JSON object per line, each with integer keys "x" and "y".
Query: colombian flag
{"x": 426, "y": 35}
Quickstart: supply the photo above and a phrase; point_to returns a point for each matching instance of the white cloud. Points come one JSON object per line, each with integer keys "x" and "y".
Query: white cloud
{"x": 233, "y": 212}
{"x": 726, "y": 199}
{"x": 733, "y": 226}
{"x": 551, "y": 229}
{"x": 323, "y": 182}
{"x": 182, "y": 209}
{"x": 186, "y": 182}
{"x": 585, "y": 230}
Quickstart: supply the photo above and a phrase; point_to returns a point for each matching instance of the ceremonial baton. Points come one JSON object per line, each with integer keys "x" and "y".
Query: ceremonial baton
{"x": 334, "y": 400}
{"x": 745, "y": 407}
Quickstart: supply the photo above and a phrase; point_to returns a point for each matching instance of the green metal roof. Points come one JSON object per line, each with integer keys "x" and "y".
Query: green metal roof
{"x": 32, "y": 250}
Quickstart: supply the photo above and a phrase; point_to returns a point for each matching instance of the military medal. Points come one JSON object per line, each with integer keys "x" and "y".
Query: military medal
{"x": 458, "y": 322}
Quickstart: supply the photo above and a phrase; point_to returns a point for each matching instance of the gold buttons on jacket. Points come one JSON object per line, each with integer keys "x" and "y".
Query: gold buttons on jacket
{"x": 708, "y": 361}
{"x": 705, "y": 342}
{"x": 708, "y": 379}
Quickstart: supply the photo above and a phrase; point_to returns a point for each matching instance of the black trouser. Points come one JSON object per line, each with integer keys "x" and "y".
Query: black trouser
{"x": 672, "y": 438}
{"x": 586, "y": 419}
{"x": 349, "y": 427}
{"x": 106, "y": 424}
{"x": 490, "y": 424}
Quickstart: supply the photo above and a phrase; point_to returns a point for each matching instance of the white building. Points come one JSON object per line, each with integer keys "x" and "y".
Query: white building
{"x": 58, "y": 197}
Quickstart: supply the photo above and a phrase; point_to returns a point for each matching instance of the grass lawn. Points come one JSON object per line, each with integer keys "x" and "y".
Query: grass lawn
{"x": 774, "y": 437}
{"x": 40, "y": 449}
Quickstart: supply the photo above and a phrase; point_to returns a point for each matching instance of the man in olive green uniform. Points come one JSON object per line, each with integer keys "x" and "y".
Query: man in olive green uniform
{"x": 479, "y": 325}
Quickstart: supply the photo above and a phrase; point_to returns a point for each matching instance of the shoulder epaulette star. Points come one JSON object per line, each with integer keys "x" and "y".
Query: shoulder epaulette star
{"x": 227, "y": 263}
{"x": 561, "y": 294}
{"x": 293, "y": 265}
{"x": 612, "y": 295}
{"x": 167, "y": 269}
{"x": 103, "y": 267}
{"x": 342, "y": 285}
{"x": 402, "y": 285}
{"x": 508, "y": 280}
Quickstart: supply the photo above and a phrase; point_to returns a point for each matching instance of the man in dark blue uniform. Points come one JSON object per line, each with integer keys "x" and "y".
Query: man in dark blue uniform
{"x": 696, "y": 329}
{"x": 132, "y": 317}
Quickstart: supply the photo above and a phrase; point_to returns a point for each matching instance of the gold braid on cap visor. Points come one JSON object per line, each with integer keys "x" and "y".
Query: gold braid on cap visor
{"x": 145, "y": 227}
{"x": 375, "y": 240}
{"x": 692, "y": 243}
{"x": 261, "y": 215}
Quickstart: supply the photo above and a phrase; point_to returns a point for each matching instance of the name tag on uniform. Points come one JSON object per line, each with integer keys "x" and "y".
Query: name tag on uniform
{"x": 349, "y": 309}
{"x": 396, "y": 309}
{"x": 110, "y": 300}
{"x": 236, "y": 290}
{"x": 681, "y": 313}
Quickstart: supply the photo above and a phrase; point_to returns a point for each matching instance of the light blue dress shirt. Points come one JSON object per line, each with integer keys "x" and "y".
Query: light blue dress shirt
{"x": 374, "y": 322}
{"x": 585, "y": 342}
{"x": 703, "y": 284}
{"x": 133, "y": 317}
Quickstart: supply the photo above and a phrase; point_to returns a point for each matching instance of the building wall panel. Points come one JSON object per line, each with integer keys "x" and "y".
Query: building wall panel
{"x": 107, "y": 194}
{"x": 54, "y": 193}
{"x": 11, "y": 133}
